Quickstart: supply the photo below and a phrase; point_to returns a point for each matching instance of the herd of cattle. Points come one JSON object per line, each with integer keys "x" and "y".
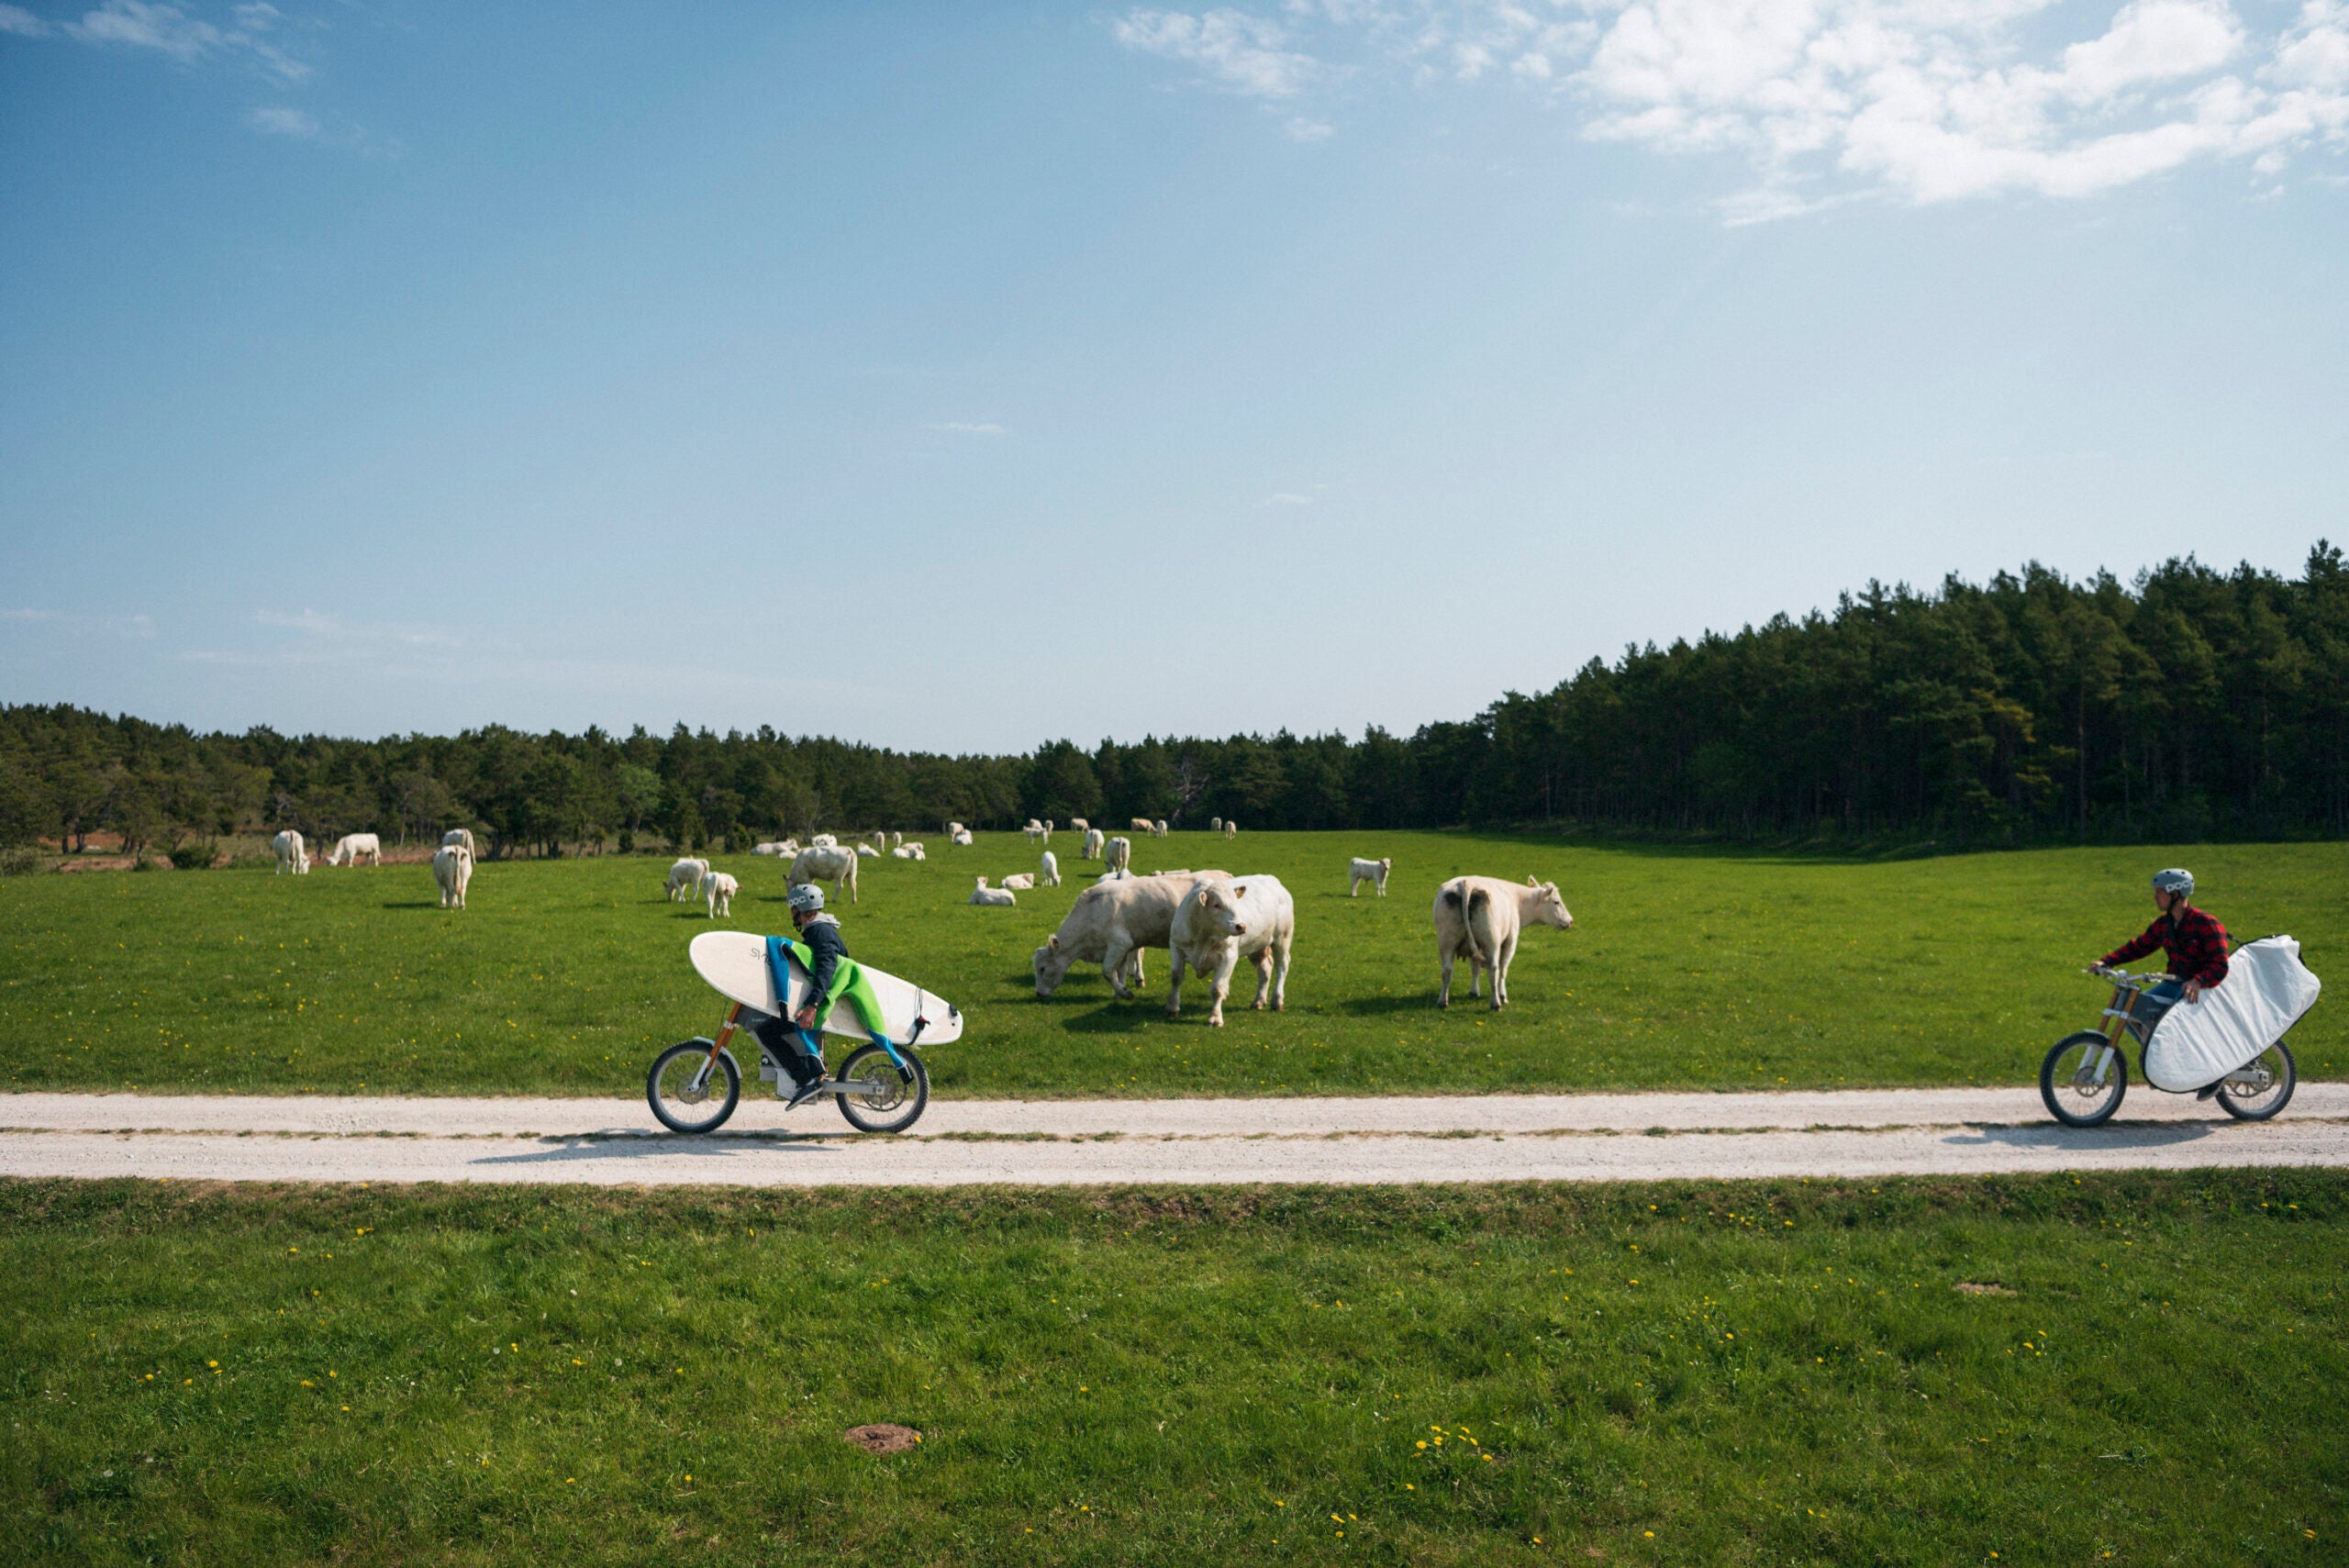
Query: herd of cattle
{"x": 1207, "y": 920}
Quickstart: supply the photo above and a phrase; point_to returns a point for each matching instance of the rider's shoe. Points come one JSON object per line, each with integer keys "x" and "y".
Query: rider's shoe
{"x": 805, "y": 1092}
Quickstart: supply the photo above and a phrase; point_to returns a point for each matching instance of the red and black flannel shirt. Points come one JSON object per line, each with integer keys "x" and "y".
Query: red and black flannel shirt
{"x": 2196, "y": 944}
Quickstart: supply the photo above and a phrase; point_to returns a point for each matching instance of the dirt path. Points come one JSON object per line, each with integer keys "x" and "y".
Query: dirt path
{"x": 1867, "y": 1133}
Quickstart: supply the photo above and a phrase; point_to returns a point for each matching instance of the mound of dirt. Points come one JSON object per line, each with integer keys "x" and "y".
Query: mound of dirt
{"x": 883, "y": 1436}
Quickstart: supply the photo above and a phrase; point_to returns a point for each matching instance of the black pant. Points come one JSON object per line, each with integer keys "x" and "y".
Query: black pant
{"x": 782, "y": 1042}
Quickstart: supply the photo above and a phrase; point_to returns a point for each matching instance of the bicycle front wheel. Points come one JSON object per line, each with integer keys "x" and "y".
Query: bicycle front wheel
{"x": 2262, "y": 1087}
{"x": 690, "y": 1092}
{"x": 896, "y": 1099}
{"x": 2075, "y": 1094}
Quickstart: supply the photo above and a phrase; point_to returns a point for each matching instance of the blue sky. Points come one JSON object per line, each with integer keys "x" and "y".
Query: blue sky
{"x": 961, "y": 377}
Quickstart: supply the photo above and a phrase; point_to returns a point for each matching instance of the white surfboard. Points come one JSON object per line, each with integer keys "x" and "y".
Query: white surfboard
{"x": 2266, "y": 991}
{"x": 735, "y": 964}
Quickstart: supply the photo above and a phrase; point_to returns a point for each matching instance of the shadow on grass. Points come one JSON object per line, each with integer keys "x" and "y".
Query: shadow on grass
{"x": 1378, "y": 1006}
{"x": 416, "y": 904}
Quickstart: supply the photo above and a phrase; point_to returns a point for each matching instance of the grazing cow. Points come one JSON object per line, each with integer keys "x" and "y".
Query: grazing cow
{"x": 1079, "y": 825}
{"x": 1048, "y": 873}
{"x": 720, "y": 889}
{"x": 1117, "y": 854}
{"x": 1020, "y": 881}
{"x": 1372, "y": 872}
{"x": 880, "y": 840}
{"x": 1479, "y": 919}
{"x": 292, "y": 857}
{"x": 962, "y": 836}
{"x": 868, "y": 851}
{"x": 452, "y": 868}
{"x": 897, "y": 840}
{"x": 1215, "y": 823}
{"x": 1158, "y": 828}
{"x": 993, "y": 897}
{"x": 822, "y": 841}
{"x": 1139, "y": 825}
{"x": 1093, "y": 843}
{"x": 1231, "y": 829}
{"x": 1221, "y": 921}
{"x": 1112, "y": 924}
{"x": 461, "y": 836}
{"x": 350, "y": 846}
{"x": 820, "y": 863}
{"x": 952, "y": 828}
{"x": 684, "y": 879}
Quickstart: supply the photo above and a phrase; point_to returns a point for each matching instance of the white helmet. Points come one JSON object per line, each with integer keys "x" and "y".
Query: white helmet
{"x": 2175, "y": 880}
{"x": 805, "y": 896}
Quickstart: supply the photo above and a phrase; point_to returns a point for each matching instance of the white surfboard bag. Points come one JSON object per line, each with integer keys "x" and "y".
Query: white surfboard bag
{"x": 2267, "y": 990}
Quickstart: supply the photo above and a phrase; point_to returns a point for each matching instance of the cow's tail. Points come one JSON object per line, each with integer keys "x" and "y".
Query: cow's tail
{"x": 1480, "y": 943}
{"x": 1461, "y": 899}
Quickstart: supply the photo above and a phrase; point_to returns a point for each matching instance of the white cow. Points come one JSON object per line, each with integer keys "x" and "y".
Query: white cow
{"x": 1221, "y": 921}
{"x": 1158, "y": 828}
{"x": 1479, "y": 919}
{"x": 1047, "y": 873}
{"x": 868, "y": 851}
{"x": 1079, "y": 825}
{"x": 994, "y": 897}
{"x": 452, "y": 868}
{"x": 962, "y": 836}
{"x": 767, "y": 846}
{"x": 1139, "y": 825}
{"x": 822, "y": 841}
{"x": 914, "y": 852}
{"x": 1024, "y": 882}
{"x": 880, "y": 840}
{"x": 1372, "y": 872}
{"x": 1113, "y": 924}
{"x": 720, "y": 889}
{"x": 685, "y": 879}
{"x": 897, "y": 840}
{"x": 461, "y": 836}
{"x": 1215, "y": 823}
{"x": 1117, "y": 855}
{"x": 830, "y": 863}
{"x": 350, "y": 846}
{"x": 1093, "y": 843}
{"x": 292, "y": 857}
{"x": 901, "y": 853}
{"x": 1231, "y": 829}
{"x": 952, "y": 828}
{"x": 1036, "y": 830}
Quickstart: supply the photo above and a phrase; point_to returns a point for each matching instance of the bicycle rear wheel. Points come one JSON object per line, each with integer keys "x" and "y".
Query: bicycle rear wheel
{"x": 2069, "y": 1084}
{"x": 2274, "y": 1076}
{"x": 897, "y": 1101}
{"x": 688, "y": 1091}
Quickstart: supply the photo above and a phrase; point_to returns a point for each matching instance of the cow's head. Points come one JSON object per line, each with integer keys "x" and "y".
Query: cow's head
{"x": 1220, "y": 906}
{"x": 1549, "y": 907}
{"x": 1051, "y": 966}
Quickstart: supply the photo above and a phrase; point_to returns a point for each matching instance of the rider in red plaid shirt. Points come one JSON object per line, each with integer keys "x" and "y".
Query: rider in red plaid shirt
{"x": 2196, "y": 944}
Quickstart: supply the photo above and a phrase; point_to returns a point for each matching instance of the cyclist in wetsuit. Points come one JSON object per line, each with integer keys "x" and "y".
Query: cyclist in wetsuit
{"x": 822, "y": 952}
{"x": 2196, "y": 945}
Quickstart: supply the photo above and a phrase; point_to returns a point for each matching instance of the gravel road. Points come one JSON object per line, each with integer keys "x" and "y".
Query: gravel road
{"x": 1865, "y": 1132}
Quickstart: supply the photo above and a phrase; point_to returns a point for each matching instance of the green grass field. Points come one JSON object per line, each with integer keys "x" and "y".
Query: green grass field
{"x": 1729, "y": 1374}
{"x": 1690, "y": 968}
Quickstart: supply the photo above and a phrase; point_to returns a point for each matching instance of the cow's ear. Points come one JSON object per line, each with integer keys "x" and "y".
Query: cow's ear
{"x": 1532, "y": 882}
{"x": 1054, "y": 942}
{"x": 1240, "y": 890}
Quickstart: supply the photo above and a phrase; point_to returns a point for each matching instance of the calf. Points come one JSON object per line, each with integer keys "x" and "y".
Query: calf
{"x": 902, "y": 854}
{"x": 684, "y": 879}
{"x": 1231, "y": 829}
{"x": 1048, "y": 871}
{"x": 350, "y": 846}
{"x": 1139, "y": 825}
{"x": 1479, "y": 919}
{"x": 868, "y": 850}
{"x": 1221, "y": 921}
{"x": 994, "y": 897}
{"x": 1093, "y": 843}
{"x": 962, "y": 836}
{"x": 452, "y": 868}
{"x": 1158, "y": 828}
{"x": 1079, "y": 825}
{"x": 1020, "y": 881}
{"x": 1373, "y": 871}
{"x": 1215, "y": 823}
{"x": 720, "y": 889}
{"x": 292, "y": 857}
{"x": 822, "y": 841}
{"x": 1117, "y": 855}
{"x": 1036, "y": 831}
{"x": 826, "y": 863}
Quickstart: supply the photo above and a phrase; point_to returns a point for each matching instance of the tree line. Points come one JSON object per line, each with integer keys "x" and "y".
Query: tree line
{"x": 2186, "y": 704}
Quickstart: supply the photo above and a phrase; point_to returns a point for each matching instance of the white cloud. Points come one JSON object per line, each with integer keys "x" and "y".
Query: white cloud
{"x": 958, "y": 427}
{"x": 1234, "y": 51}
{"x": 1299, "y": 128}
{"x": 135, "y": 24}
{"x": 1827, "y": 101}
{"x": 23, "y": 23}
{"x": 334, "y": 628}
{"x": 279, "y": 120}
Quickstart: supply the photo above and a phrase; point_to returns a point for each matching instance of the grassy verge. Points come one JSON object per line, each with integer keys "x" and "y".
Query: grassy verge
{"x": 1665, "y": 1373}
{"x": 1690, "y": 968}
